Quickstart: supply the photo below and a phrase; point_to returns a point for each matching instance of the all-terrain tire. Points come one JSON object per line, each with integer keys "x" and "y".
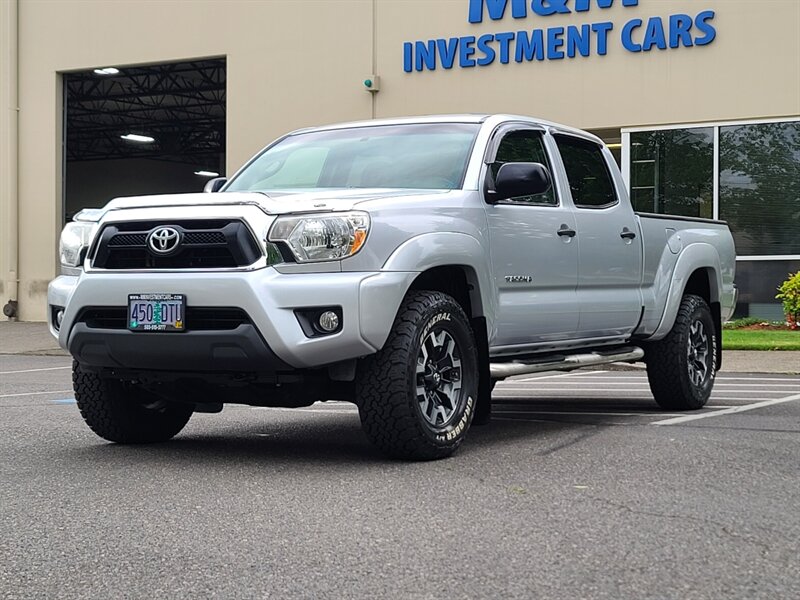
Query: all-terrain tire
{"x": 123, "y": 412}
{"x": 681, "y": 367}
{"x": 404, "y": 391}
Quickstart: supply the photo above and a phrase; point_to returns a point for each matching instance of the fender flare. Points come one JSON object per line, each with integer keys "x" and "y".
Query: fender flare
{"x": 444, "y": 249}
{"x": 693, "y": 257}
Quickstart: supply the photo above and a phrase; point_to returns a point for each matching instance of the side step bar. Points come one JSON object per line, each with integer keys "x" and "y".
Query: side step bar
{"x": 566, "y": 362}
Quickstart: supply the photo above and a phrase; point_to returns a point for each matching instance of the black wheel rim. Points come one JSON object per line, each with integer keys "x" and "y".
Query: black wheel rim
{"x": 438, "y": 378}
{"x": 698, "y": 353}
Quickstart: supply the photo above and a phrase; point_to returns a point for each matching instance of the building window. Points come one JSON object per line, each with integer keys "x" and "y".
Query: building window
{"x": 747, "y": 173}
{"x": 759, "y": 187}
{"x": 672, "y": 172}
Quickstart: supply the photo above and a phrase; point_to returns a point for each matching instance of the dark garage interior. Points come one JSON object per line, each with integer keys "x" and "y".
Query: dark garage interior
{"x": 142, "y": 130}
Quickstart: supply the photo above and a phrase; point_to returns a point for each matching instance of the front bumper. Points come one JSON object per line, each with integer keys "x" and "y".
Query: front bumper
{"x": 275, "y": 340}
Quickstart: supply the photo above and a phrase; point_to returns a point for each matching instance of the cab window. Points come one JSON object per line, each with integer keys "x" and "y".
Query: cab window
{"x": 587, "y": 172}
{"x": 524, "y": 146}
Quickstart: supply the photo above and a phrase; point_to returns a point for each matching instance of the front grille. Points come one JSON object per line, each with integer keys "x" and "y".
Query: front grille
{"x": 205, "y": 237}
{"x": 197, "y": 318}
{"x": 128, "y": 239}
{"x": 205, "y": 244}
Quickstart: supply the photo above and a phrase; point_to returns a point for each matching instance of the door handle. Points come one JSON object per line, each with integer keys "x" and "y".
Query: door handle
{"x": 627, "y": 234}
{"x": 566, "y": 231}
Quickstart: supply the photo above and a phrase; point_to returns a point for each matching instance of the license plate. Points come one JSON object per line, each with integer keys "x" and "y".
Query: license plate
{"x": 156, "y": 312}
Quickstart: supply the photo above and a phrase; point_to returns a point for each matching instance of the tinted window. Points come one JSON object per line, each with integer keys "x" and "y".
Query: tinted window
{"x": 587, "y": 172}
{"x": 524, "y": 146}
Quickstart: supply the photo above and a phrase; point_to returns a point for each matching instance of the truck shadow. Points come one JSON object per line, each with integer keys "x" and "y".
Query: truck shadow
{"x": 337, "y": 440}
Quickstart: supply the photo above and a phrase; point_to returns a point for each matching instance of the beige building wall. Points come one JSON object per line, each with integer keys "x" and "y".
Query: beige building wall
{"x": 295, "y": 63}
{"x": 751, "y": 69}
{"x": 289, "y": 64}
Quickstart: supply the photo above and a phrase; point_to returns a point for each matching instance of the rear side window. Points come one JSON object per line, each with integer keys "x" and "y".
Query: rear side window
{"x": 589, "y": 179}
{"x": 524, "y": 146}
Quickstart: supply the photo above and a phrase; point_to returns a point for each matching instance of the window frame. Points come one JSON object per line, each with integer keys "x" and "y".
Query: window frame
{"x": 609, "y": 172}
{"x": 716, "y": 126}
{"x": 490, "y": 156}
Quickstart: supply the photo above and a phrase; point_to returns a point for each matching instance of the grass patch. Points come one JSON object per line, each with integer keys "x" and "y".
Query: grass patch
{"x": 746, "y": 339}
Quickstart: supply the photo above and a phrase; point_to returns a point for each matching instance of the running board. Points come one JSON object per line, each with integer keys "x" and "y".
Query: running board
{"x": 566, "y": 362}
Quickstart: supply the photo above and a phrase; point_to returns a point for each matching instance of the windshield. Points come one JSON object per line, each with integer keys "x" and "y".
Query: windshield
{"x": 416, "y": 156}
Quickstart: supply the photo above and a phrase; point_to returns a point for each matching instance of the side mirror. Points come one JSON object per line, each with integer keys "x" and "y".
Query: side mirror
{"x": 214, "y": 185}
{"x": 520, "y": 179}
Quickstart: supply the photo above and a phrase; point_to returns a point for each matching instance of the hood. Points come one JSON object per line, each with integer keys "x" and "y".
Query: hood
{"x": 274, "y": 203}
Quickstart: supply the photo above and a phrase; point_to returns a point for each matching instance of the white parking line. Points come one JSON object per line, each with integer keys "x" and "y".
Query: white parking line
{"x": 628, "y": 384}
{"x": 34, "y": 370}
{"x": 341, "y": 411}
{"x": 719, "y": 379}
{"x": 552, "y": 376}
{"x": 729, "y": 411}
{"x": 581, "y": 413}
{"x": 35, "y": 393}
{"x": 631, "y": 394}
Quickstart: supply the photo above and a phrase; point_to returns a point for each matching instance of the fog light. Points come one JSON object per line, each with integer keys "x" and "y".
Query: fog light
{"x": 328, "y": 321}
{"x": 56, "y": 316}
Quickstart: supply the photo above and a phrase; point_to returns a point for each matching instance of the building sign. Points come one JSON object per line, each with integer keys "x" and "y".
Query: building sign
{"x": 556, "y": 43}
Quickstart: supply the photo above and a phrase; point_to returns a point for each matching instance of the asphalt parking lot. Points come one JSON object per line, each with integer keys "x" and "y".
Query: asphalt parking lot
{"x": 580, "y": 487}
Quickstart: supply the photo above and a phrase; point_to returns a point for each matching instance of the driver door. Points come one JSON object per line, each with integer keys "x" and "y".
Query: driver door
{"x": 534, "y": 256}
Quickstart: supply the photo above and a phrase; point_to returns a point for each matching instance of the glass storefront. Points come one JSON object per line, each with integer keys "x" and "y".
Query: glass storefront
{"x": 752, "y": 170}
{"x": 747, "y": 174}
{"x": 759, "y": 187}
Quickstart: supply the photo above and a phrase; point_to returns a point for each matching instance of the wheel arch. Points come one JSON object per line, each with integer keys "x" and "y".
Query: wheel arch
{"x": 459, "y": 281}
{"x": 702, "y": 282}
{"x": 460, "y": 259}
{"x": 698, "y": 271}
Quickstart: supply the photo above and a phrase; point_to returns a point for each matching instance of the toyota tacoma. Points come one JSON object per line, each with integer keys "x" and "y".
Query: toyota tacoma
{"x": 405, "y": 265}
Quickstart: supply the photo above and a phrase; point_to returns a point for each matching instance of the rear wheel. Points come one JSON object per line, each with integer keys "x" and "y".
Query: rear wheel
{"x": 681, "y": 368}
{"x": 124, "y": 412}
{"x": 417, "y": 395}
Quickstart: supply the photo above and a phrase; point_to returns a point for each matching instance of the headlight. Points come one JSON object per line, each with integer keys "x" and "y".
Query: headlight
{"x": 322, "y": 237}
{"x": 75, "y": 237}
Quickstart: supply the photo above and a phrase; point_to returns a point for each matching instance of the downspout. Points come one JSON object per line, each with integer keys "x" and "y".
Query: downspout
{"x": 374, "y": 105}
{"x": 9, "y": 148}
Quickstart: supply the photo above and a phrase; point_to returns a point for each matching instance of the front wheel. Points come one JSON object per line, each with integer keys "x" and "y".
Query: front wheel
{"x": 124, "y": 412}
{"x": 417, "y": 395}
{"x": 681, "y": 368}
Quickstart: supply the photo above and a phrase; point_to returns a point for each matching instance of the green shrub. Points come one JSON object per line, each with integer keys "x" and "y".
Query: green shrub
{"x": 790, "y": 296}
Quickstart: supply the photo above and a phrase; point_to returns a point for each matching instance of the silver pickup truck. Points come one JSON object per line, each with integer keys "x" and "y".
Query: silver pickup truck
{"x": 405, "y": 265}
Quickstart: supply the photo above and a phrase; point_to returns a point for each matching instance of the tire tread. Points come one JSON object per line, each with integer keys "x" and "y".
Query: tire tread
{"x": 382, "y": 390}
{"x": 114, "y": 416}
{"x": 666, "y": 366}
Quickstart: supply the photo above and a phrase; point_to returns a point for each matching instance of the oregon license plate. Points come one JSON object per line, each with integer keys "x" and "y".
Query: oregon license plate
{"x": 156, "y": 312}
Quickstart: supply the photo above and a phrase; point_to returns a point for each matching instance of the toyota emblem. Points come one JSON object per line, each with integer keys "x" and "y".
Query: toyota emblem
{"x": 163, "y": 240}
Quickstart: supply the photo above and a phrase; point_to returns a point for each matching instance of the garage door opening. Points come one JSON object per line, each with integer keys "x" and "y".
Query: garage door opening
{"x": 142, "y": 130}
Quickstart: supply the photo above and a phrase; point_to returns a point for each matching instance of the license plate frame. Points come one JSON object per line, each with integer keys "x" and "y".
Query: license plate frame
{"x": 156, "y": 313}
